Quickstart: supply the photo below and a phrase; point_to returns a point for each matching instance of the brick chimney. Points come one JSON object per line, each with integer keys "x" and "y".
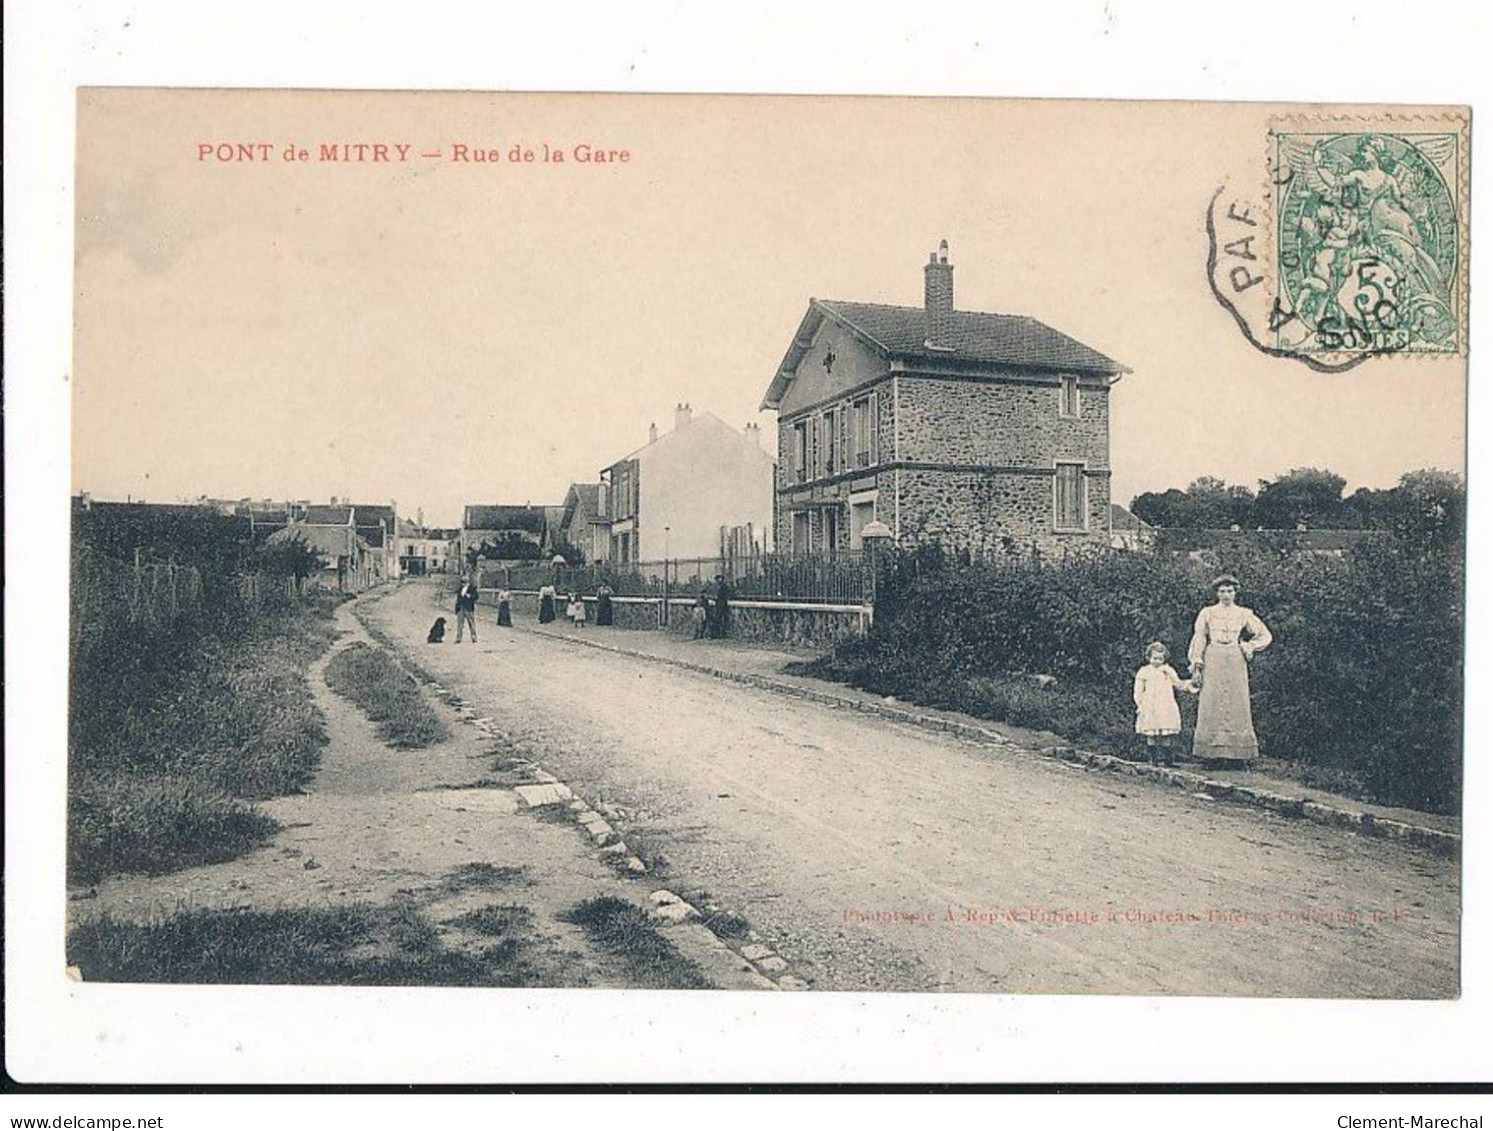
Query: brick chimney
{"x": 682, "y": 414}
{"x": 938, "y": 295}
{"x": 754, "y": 433}
{"x": 653, "y": 433}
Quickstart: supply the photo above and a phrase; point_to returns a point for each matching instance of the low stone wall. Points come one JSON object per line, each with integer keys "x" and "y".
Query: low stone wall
{"x": 780, "y": 622}
{"x": 770, "y": 622}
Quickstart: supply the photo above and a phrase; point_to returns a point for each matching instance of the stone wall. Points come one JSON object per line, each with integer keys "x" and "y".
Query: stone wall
{"x": 763, "y": 624}
{"x": 1003, "y": 424}
{"x": 990, "y": 513}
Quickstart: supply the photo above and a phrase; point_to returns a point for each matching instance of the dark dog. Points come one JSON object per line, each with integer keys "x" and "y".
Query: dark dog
{"x": 437, "y": 631}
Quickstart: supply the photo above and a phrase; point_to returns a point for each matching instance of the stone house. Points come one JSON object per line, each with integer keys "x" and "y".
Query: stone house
{"x": 511, "y": 533}
{"x": 680, "y": 494}
{"x": 985, "y": 433}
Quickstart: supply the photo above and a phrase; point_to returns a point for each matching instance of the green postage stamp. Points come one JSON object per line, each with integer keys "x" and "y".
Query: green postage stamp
{"x": 1368, "y": 239}
{"x": 1358, "y": 248}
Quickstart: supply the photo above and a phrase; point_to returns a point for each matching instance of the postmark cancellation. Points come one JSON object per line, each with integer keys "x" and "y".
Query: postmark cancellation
{"x": 1356, "y": 246}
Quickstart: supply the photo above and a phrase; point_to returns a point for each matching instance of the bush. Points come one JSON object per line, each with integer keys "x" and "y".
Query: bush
{"x": 1362, "y": 686}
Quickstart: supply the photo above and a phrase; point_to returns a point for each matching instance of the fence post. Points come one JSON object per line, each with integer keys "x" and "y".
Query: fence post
{"x": 663, "y": 617}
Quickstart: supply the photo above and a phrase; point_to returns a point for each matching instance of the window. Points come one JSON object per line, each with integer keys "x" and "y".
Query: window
{"x": 1068, "y": 403}
{"x": 800, "y": 532}
{"x": 829, "y": 444}
{"x": 863, "y": 414}
{"x": 800, "y": 451}
{"x": 1070, "y": 502}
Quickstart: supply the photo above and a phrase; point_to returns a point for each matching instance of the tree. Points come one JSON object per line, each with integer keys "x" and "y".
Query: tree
{"x": 1430, "y": 514}
{"x": 509, "y": 547}
{"x": 1167, "y": 508}
{"x": 1304, "y": 494}
{"x": 289, "y": 558}
{"x": 1208, "y": 504}
{"x": 570, "y": 552}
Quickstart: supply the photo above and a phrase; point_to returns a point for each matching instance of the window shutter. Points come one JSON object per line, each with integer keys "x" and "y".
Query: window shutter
{"x": 875, "y": 428}
{"x": 842, "y": 461}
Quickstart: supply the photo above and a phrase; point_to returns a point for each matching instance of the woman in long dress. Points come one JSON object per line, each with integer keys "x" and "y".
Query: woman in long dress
{"x": 505, "y": 609}
{"x": 604, "y": 604}
{"x": 1224, "y": 639}
{"x": 546, "y": 604}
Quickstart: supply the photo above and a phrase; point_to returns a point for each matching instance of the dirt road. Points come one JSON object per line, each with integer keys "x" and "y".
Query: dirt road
{"x": 878, "y": 856}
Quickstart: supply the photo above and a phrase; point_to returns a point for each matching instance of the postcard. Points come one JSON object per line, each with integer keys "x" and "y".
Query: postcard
{"x": 776, "y": 544}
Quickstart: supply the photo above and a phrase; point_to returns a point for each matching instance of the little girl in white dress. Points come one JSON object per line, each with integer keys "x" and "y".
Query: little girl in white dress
{"x": 1156, "y": 713}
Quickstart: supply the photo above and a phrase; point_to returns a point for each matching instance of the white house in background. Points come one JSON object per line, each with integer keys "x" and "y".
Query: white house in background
{"x": 683, "y": 493}
{"x": 425, "y": 550}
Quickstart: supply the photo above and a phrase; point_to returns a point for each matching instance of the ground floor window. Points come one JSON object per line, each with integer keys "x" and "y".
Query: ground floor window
{"x": 1070, "y": 503}
{"x": 802, "y": 531}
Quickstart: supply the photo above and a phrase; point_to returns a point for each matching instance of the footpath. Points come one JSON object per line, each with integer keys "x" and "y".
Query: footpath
{"x": 761, "y": 666}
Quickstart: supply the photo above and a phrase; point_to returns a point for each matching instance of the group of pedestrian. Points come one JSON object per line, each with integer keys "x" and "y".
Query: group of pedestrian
{"x": 1226, "y": 636}
{"x": 712, "y": 615}
{"x": 575, "y": 607}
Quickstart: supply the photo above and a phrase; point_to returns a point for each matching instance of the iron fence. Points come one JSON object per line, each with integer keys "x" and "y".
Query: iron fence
{"x": 828, "y": 579}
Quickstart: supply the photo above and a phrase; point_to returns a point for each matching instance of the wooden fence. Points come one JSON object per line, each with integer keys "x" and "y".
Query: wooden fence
{"x": 148, "y": 598}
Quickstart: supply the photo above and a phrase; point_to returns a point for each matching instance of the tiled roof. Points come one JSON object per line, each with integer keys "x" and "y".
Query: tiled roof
{"x": 1007, "y": 339}
{"x": 328, "y": 516}
{"x": 582, "y": 497}
{"x": 371, "y": 513}
{"x": 1121, "y": 518}
{"x": 966, "y": 338}
{"x": 329, "y": 541}
{"x": 499, "y": 517}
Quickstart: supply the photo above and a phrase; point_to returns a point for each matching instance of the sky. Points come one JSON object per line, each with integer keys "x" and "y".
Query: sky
{"x": 438, "y": 332}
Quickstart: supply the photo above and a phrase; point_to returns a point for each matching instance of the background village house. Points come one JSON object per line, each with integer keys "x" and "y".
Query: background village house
{"x": 504, "y": 533}
{"x": 582, "y": 524}
{"x": 347, "y": 561}
{"x": 682, "y": 493}
{"x": 984, "y": 433}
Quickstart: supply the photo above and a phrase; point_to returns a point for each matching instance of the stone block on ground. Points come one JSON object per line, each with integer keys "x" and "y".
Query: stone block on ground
{"x": 789, "y": 982}
{"x": 662, "y": 896}
{"x": 756, "y": 952}
{"x": 636, "y": 866}
{"x": 549, "y": 793}
{"x": 679, "y": 912}
{"x": 773, "y": 965}
{"x": 615, "y": 849}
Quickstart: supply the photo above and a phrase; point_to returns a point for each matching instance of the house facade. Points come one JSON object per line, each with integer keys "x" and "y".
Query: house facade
{"x": 347, "y": 563}
{"x": 424, "y": 550}
{"x": 681, "y": 494}
{"x": 582, "y": 524}
{"x": 983, "y": 433}
{"x": 501, "y": 532}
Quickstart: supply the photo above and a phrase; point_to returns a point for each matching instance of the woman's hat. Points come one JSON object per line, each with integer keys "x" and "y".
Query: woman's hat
{"x": 1224, "y": 579}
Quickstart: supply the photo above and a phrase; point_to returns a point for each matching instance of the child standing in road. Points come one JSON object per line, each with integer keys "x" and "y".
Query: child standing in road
{"x": 1156, "y": 713}
{"x": 576, "y": 611}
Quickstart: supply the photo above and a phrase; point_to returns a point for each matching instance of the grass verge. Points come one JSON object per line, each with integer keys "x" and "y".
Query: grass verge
{"x": 357, "y": 945}
{"x": 371, "y": 679}
{"x": 167, "y": 752}
{"x": 647, "y": 958}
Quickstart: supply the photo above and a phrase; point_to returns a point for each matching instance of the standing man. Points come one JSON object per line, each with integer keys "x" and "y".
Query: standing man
{"x": 466, "y": 607}
{"x": 720, "y": 619}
